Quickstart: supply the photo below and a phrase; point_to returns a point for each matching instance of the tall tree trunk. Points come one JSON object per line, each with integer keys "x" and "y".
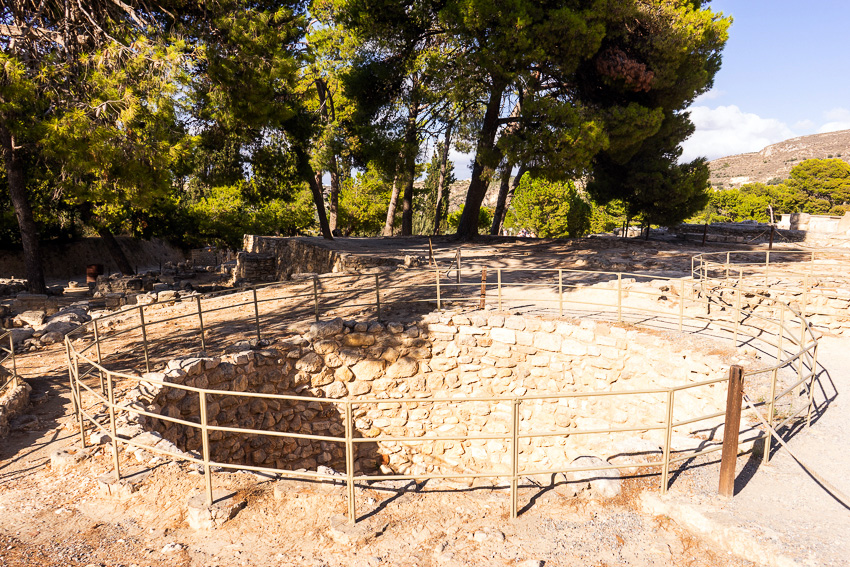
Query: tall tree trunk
{"x": 504, "y": 186}
{"x": 486, "y": 150}
{"x": 514, "y": 184}
{"x": 411, "y": 149}
{"x": 442, "y": 191}
{"x": 333, "y": 197}
{"x": 388, "y": 225}
{"x": 16, "y": 178}
{"x": 319, "y": 201}
{"x": 115, "y": 251}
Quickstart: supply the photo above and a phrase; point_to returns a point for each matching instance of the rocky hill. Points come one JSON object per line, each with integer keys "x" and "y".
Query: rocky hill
{"x": 776, "y": 160}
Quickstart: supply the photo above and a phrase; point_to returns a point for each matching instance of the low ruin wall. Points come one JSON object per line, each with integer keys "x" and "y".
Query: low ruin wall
{"x": 460, "y": 356}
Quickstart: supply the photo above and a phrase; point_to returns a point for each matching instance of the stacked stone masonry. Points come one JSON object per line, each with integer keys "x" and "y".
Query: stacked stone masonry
{"x": 460, "y": 356}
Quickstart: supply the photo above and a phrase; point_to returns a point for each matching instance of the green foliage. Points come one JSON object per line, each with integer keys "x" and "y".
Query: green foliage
{"x": 425, "y": 197}
{"x": 605, "y": 218}
{"x": 549, "y": 209}
{"x": 825, "y": 183}
{"x": 485, "y": 218}
{"x": 225, "y": 215}
{"x": 363, "y": 203}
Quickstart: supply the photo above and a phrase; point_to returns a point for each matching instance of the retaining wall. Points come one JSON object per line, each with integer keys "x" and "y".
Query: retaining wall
{"x": 479, "y": 354}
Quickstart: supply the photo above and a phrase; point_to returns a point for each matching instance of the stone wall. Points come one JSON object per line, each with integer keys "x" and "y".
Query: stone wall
{"x": 299, "y": 255}
{"x": 255, "y": 267}
{"x": 69, "y": 260}
{"x": 13, "y": 401}
{"x": 480, "y": 354}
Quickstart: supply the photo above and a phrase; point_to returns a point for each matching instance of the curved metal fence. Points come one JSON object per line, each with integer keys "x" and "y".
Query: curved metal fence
{"x": 100, "y": 359}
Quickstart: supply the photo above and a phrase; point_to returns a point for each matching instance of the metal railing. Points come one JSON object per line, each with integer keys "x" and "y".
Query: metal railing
{"x": 772, "y": 323}
{"x": 8, "y": 353}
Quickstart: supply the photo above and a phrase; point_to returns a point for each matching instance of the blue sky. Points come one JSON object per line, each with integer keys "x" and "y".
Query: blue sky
{"x": 786, "y": 73}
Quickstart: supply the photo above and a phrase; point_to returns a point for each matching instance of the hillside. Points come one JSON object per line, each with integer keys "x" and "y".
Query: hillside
{"x": 776, "y": 160}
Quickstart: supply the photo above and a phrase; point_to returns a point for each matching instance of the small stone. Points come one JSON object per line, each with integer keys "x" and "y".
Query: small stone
{"x": 173, "y": 548}
{"x": 404, "y": 367}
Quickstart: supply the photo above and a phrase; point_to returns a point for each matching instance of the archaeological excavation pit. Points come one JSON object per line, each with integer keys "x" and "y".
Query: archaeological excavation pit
{"x": 479, "y": 396}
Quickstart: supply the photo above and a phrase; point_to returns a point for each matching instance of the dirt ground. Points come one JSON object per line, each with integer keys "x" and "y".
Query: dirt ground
{"x": 59, "y": 517}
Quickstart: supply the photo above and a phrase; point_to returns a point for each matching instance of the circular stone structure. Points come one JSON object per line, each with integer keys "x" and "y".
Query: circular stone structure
{"x": 450, "y": 375}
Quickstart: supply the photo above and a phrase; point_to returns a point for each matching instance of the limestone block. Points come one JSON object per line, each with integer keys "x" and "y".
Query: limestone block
{"x": 506, "y": 336}
{"x": 368, "y": 369}
{"x": 336, "y": 390}
{"x": 442, "y": 329}
{"x": 603, "y": 483}
{"x": 325, "y": 347}
{"x": 310, "y": 362}
{"x": 225, "y": 506}
{"x": 515, "y": 322}
{"x": 358, "y": 339}
{"x": 325, "y": 329}
{"x": 547, "y": 341}
{"x": 404, "y": 367}
{"x": 359, "y": 388}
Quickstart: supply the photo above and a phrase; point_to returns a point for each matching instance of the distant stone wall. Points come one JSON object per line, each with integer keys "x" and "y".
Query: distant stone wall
{"x": 69, "y": 260}
{"x": 480, "y": 354}
{"x": 299, "y": 255}
{"x": 737, "y": 233}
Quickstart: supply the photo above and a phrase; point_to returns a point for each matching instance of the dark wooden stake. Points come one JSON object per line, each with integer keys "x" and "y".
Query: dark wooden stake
{"x": 730, "y": 431}
{"x": 704, "y": 233}
{"x": 483, "y": 288}
{"x": 772, "y": 232}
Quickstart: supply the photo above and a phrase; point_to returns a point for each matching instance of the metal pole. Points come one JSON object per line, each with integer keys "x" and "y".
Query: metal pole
{"x": 483, "y": 300}
{"x": 561, "y": 292}
{"x": 727, "y": 265}
{"x": 770, "y": 404}
{"x": 812, "y": 386}
{"x": 499, "y": 286}
{"x": 668, "y": 439}
{"x": 737, "y": 313}
{"x": 316, "y": 295}
{"x": 682, "y": 306}
{"x": 113, "y": 434}
{"x": 76, "y": 388}
{"x": 74, "y": 401}
{"x": 257, "y": 313}
{"x": 144, "y": 338}
{"x": 437, "y": 273}
{"x": 458, "y": 267}
{"x": 731, "y": 429}
{"x": 378, "y": 296}
{"x": 99, "y": 359}
{"x": 205, "y": 440}
{"x": 803, "y": 310}
{"x": 766, "y": 265}
{"x": 14, "y": 363}
{"x": 514, "y": 454}
{"x": 349, "y": 463}
{"x": 201, "y": 323}
{"x": 619, "y": 297}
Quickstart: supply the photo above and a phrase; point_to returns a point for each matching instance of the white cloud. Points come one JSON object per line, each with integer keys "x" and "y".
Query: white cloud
{"x": 727, "y": 130}
{"x": 804, "y": 126}
{"x": 713, "y": 94}
{"x": 463, "y": 163}
{"x": 839, "y": 119}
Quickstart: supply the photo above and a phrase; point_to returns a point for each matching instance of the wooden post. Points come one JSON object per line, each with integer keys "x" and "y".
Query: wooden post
{"x": 431, "y": 253}
{"x": 205, "y": 442}
{"x": 437, "y": 273}
{"x": 349, "y": 463}
{"x": 772, "y": 232}
{"x": 514, "y": 454}
{"x": 483, "y": 288}
{"x": 619, "y": 297}
{"x": 99, "y": 358}
{"x": 499, "y": 286}
{"x": 112, "y": 432}
{"x": 704, "y": 233}
{"x": 731, "y": 429}
{"x": 561, "y": 292}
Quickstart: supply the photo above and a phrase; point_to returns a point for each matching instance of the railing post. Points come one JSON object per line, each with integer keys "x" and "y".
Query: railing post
{"x": 770, "y": 404}
{"x": 737, "y": 313}
{"x": 731, "y": 429}
{"x": 437, "y": 274}
{"x": 14, "y": 364}
{"x": 561, "y": 292}
{"x": 76, "y": 392}
{"x": 727, "y": 266}
{"x": 499, "y": 286}
{"x": 668, "y": 439}
{"x": 257, "y": 313}
{"x": 619, "y": 297}
{"x": 201, "y": 323}
{"x": 514, "y": 454}
{"x": 803, "y": 310}
{"x": 458, "y": 269}
{"x": 766, "y": 266}
{"x": 205, "y": 441}
{"x": 144, "y": 338}
{"x": 74, "y": 401}
{"x": 483, "y": 300}
{"x": 812, "y": 385}
{"x": 682, "y": 306}
{"x": 99, "y": 359}
{"x": 378, "y": 296}
{"x": 349, "y": 463}
{"x": 112, "y": 429}
{"x": 316, "y": 295}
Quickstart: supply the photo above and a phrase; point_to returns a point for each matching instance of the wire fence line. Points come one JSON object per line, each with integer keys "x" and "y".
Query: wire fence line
{"x": 773, "y": 324}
